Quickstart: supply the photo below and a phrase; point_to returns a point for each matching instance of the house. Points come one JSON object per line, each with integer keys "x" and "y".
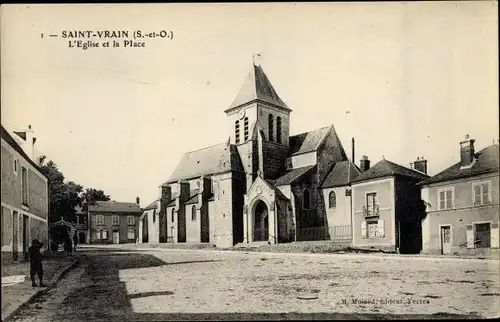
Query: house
{"x": 149, "y": 223}
{"x": 338, "y": 200}
{"x": 260, "y": 185}
{"x": 387, "y": 206}
{"x": 114, "y": 222}
{"x": 25, "y": 194}
{"x": 463, "y": 204}
{"x": 77, "y": 224}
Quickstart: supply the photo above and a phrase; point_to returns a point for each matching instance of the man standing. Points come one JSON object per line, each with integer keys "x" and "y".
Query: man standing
{"x": 36, "y": 267}
{"x": 75, "y": 241}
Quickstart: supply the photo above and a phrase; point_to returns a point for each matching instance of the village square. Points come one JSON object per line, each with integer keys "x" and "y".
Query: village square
{"x": 290, "y": 195}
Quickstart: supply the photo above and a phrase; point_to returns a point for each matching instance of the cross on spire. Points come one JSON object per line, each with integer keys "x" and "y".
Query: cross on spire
{"x": 256, "y": 58}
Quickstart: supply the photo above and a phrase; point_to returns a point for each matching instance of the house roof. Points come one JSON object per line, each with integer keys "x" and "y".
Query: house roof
{"x": 308, "y": 141}
{"x": 292, "y": 176}
{"x": 387, "y": 168}
{"x": 113, "y": 206}
{"x": 339, "y": 174}
{"x": 486, "y": 162}
{"x": 12, "y": 142}
{"x": 208, "y": 161}
{"x": 172, "y": 203}
{"x": 257, "y": 87}
{"x": 152, "y": 205}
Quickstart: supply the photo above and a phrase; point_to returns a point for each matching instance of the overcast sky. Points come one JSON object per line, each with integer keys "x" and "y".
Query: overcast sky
{"x": 405, "y": 80}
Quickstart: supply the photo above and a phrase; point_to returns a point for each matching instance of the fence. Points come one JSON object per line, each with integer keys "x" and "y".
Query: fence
{"x": 336, "y": 233}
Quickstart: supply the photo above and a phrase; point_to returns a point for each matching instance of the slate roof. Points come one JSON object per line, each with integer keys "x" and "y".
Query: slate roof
{"x": 152, "y": 205}
{"x": 193, "y": 200}
{"x": 216, "y": 159}
{"x": 339, "y": 174}
{"x": 292, "y": 176}
{"x": 257, "y": 87}
{"x": 113, "y": 206}
{"x": 193, "y": 196}
{"x": 12, "y": 142}
{"x": 280, "y": 194}
{"x": 308, "y": 141}
{"x": 387, "y": 168}
{"x": 486, "y": 162}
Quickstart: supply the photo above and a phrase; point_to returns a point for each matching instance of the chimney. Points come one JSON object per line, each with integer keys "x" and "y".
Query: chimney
{"x": 353, "y": 150}
{"x": 467, "y": 151}
{"x": 420, "y": 165}
{"x": 364, "y": 163}
{"x": 137, "y": 200}
{"x": 29, "y": 142}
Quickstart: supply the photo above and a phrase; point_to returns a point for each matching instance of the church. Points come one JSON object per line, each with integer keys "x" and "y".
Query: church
{"x": 262, "y": 185}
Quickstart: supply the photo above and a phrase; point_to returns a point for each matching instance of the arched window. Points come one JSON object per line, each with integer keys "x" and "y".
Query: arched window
{"x": 278, "y": 129}
{"x": 237, "y": 132}
{"x": 332, "y": 200}
{"x": 173, "y": 215}
{"x": 154, "y": 215}
{"x": 306, "y": 202}
{"x": 271, "y": 127}
{"x": 245, "y": 124}
{"x": 193, "y": 213}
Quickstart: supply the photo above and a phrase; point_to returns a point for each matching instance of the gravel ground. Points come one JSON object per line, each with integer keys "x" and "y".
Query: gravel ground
{"x": 165, "y": 285}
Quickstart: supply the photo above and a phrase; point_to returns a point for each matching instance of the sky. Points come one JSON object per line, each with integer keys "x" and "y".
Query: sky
{"x": 406, "y": 80}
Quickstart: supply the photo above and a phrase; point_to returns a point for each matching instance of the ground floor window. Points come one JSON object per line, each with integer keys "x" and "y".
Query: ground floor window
{"x": 131, "y": 233}
{"x": 483, "y": 235}
{"x": 372, "y": 229}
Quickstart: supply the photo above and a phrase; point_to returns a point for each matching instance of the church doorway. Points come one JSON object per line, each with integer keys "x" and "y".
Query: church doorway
{"x": 261, "y": 222}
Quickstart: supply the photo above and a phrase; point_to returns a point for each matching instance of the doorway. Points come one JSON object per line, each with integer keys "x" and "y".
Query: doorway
{"x": 446, "y": 239}
{"x": 26, "y": 241}
{"x": 116, "y": 237}
{"x": 261, "y": 222}
{"x": 15, "y": 234}
{"x": 483, "y": 235}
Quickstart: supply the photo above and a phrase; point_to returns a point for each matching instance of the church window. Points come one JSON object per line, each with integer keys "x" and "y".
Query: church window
{"x": 306, "y": 202}
{"x": 193, "y": 213}
{"x": 271, "y": 127}
{"x": 237, "y": 132}
{"x": 246, "y": 128}
{"x": 332, "y": 200}
{"x": 278, "y": 129}
{"x": 173, "y": 215}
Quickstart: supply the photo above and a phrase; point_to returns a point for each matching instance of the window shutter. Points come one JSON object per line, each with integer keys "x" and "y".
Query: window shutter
{"x": 380, "y": 229}
{"x": 495, "y": 235}
{"x": 363, "y": 229}
{"x": 470, "y": 237}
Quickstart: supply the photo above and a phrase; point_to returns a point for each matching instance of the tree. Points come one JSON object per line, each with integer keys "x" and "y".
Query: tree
{"x": 91, "y": 195}
{"x": 64, "y": 197}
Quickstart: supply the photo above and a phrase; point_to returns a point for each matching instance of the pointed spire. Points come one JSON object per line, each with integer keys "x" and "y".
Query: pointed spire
{"x": 257, "y": 87}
